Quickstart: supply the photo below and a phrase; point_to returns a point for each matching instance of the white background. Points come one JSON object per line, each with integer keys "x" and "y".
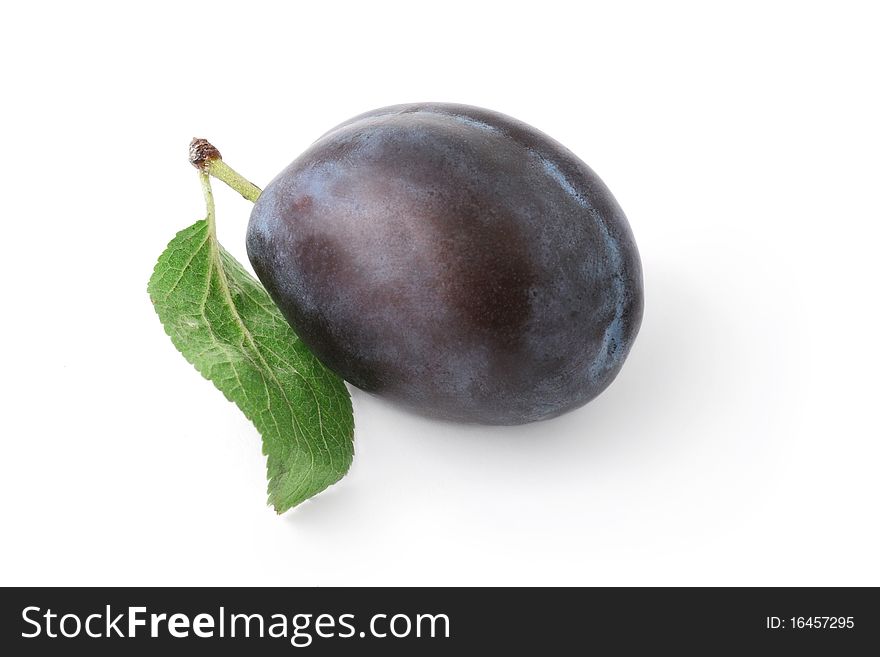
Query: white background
{"x": 739, "y": 445}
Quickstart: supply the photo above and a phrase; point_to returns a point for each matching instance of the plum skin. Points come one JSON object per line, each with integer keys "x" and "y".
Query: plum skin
{"x": 453, "y": 259}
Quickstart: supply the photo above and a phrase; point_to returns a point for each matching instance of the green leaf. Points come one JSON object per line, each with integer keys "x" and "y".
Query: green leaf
{"x": 224, "y": 323}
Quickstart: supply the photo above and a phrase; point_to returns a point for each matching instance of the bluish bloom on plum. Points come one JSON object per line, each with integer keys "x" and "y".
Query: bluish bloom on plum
{"x": 453, "y": 259}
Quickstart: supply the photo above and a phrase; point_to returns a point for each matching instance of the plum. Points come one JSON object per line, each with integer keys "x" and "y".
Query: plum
{"x": 453, "y": 259}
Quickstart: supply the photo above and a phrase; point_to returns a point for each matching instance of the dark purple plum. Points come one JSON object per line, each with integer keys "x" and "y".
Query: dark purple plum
{"x": 453, "y": 259}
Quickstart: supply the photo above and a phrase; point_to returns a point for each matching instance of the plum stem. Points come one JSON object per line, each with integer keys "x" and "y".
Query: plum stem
{"x": 223, "y": 172}
{"x": 205, "y": 157}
